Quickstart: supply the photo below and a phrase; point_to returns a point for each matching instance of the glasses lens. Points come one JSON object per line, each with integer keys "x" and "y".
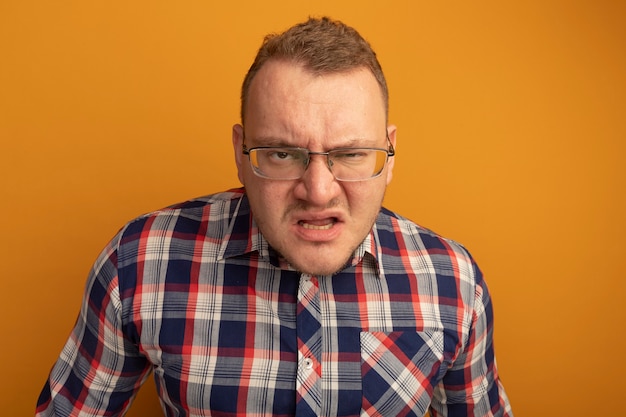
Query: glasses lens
{"x": 279, "y": 163}
{"x": 357, "y": 164}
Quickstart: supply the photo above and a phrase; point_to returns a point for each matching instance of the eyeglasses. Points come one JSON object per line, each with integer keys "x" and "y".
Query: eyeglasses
{"x": 290, "y": 163}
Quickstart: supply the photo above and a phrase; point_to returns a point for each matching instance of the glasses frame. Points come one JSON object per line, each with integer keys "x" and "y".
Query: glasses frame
{"x": 390, "y": 152}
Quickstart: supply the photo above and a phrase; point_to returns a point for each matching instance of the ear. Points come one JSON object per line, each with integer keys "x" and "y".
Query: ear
{"x": 237, "y": 147}
{"x": 391, "y": 133}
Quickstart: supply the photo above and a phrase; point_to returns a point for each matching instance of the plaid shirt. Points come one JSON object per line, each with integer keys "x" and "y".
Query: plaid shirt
{"x": 195, "y": 294}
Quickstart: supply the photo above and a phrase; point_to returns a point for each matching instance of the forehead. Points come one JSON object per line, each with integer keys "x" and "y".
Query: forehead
{"x": 285, "y": 96}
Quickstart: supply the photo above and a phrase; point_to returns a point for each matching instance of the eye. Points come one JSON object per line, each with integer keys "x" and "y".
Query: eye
{"x": 282, "y": 155}
{"x": 350, "y": 155}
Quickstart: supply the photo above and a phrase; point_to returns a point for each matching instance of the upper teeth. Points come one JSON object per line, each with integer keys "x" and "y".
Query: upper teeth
{"x": 316, "y": 227}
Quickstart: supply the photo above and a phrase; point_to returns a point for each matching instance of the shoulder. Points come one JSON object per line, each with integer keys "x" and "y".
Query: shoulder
{"x": 183, "y": 218}
{"x": 395, "y": 229}
{"x": 180, "y": 228}
{"x": 423, "y": 249}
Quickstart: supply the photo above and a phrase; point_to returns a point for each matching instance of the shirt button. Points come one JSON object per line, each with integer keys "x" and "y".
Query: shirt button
{"x": 306, "y": 277}
{"x": 308, "y": 363}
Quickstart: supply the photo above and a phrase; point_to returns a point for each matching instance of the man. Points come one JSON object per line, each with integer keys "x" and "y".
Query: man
{"x": 298, "y": 294}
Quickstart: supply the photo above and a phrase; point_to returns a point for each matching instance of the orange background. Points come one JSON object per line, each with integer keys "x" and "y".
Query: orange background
{"x": 511, "y": 139}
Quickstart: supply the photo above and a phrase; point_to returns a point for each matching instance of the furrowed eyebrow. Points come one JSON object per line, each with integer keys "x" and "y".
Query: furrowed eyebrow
{"x": 270, "y": 142}
{"x": 356, "y": 143}
{"x": 274, "y": 142}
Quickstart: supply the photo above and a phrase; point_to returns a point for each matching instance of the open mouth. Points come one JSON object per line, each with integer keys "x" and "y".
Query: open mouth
{"x": 325, "y": 224}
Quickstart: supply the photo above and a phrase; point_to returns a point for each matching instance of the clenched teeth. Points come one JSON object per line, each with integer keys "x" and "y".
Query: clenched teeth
{"x": 310, "y": 226}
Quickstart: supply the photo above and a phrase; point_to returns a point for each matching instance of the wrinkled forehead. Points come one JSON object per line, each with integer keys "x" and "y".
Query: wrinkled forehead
{"x": 293, "y": 88}
{"x": 290, "y": 77}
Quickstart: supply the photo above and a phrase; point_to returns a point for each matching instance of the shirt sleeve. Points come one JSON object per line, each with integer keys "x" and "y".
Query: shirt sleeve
{"x": 472, "y": 387}
{"x": 100, "y": 369}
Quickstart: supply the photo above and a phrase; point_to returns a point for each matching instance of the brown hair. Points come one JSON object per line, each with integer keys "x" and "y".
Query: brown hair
{"x": 323, "y": 46}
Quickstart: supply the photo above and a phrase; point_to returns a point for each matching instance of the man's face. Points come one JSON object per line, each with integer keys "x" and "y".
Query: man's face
{"x": 314, "y": 222}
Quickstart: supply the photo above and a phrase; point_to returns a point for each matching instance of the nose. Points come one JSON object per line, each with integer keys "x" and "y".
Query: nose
{"x": 318, "y": 186}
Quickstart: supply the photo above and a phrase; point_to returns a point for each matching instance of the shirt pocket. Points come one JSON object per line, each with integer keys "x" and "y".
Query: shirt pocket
{"x": 399, "y": 371}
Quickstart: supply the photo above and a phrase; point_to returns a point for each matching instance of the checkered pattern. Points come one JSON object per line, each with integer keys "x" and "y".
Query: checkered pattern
{"x": 195, "y": 294}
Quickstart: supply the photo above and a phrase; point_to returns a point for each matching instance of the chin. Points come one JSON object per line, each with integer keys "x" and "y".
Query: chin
{"x": 316, "y": 258}
{"x": 319, "y": 272}
{"x": 315, "y": 267}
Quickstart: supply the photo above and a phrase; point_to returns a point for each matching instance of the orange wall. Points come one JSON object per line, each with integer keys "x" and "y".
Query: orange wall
{"x": 511, "y": 140}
